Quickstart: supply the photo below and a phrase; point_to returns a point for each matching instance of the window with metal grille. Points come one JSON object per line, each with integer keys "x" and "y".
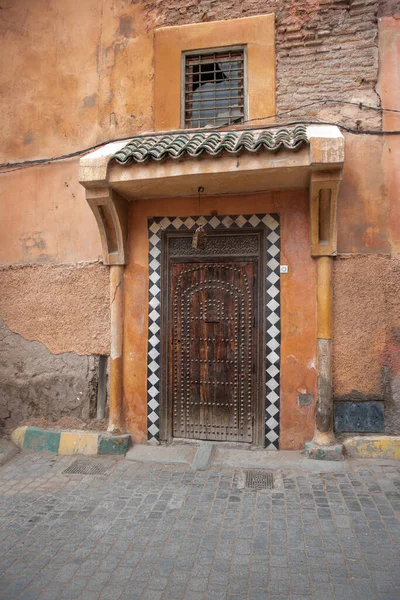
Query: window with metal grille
{"x": 214, "y": 88}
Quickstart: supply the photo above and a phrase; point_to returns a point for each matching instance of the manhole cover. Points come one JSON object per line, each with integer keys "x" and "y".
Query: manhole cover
{"x": 259, "y": 480}
{"x": 85, "y": 467}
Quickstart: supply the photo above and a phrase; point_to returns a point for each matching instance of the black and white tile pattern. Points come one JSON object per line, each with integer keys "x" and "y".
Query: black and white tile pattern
{"x": 271, "y": 223}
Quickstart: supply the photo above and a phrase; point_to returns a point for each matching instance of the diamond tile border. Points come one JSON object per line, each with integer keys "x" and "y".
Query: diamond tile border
{"x": 271, "y": 222}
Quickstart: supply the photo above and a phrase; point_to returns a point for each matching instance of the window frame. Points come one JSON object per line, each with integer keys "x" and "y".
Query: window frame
{"x": 257, "y": 32}
{"x": 214, "y": 50}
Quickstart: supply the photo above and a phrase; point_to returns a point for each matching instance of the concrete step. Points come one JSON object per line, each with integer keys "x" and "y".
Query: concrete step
{"x": 173, "y": 454}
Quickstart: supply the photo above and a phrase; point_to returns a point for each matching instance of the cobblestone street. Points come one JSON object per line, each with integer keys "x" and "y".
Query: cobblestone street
{"x": 152, "y": 531}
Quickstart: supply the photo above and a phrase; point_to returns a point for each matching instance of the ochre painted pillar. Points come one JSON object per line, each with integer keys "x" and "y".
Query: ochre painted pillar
{"x": 324, "y": 187}
{"x": 324, "y": 416}
{"x": 116, "y": 418}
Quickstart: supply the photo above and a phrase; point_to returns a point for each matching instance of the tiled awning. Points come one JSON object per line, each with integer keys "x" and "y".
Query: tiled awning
{"x": 212, "y": 143}
{"x": 250, "y": 161}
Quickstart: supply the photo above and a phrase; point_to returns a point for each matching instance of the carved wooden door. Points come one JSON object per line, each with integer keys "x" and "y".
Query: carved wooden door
{"x": 212, "y": 350}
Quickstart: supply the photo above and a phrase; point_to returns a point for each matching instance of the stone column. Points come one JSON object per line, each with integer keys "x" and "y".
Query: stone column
{"x": 116, "y": 418}
{"x": 323, "y": 203}
{"x": 324, "y": 417}
{"x": 323, "y": 446}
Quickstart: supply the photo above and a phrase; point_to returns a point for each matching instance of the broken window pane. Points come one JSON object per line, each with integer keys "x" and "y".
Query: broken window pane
{"x": 214, "y": 89}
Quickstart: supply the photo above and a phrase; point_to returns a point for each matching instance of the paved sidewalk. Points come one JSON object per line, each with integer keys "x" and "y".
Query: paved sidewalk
{"x": 7, "y": 450}
{"x": 154, "y": 532}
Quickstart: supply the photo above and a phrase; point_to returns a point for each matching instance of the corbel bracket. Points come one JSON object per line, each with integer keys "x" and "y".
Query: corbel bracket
{"x": 111, "y": 212}
{"x": 324, "y": 190}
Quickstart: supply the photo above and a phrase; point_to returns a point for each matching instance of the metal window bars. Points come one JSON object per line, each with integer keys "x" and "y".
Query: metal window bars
{"x": 214, "y": 88}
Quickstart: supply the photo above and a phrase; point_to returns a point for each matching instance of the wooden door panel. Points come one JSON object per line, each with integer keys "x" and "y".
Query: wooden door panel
{"x": 211, "y": 350}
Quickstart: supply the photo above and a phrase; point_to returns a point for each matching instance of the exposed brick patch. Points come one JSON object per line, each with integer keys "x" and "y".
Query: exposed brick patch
{"x": 329, "y": 51}
{"x": 325, "y": 49}
{"x": 389, "y": 8}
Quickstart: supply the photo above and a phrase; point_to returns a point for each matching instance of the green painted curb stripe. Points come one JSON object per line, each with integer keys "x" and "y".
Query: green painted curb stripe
{"x": 113, "y": 445}
{"x": 45, "y": 440}
{"x": 41, "y": 440}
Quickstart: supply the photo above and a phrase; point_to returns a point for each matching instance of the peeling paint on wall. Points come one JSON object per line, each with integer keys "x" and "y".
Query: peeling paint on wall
{"x": 36, "y": 383}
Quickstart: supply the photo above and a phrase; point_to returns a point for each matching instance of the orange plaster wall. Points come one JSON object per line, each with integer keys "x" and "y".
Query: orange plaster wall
{"x": 64, "y": 84}
{"x": 45, "y": 217}
{"x": 298, "y": 308}
{"x": 75, "y": 74}
{"x": 360, "y": 323}
{"x": 389, "y": 89}
{"x": 363, "y": 208}
{"x": 72, "y": 74}
{"x": 66, "y": 307}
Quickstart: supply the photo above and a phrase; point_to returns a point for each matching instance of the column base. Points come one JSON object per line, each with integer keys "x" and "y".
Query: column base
{"x": 115, "y": 430}
{"x": 113, "y": 444}
{"x": 332, "y": 451}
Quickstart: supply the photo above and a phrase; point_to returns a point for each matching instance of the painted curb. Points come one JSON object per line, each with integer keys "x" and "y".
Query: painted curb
{"x": 41, "y": 440}
{"x": 78, "y": 442}
{"x": 18, "y": 435}
{"x": 113, "y": 444}
{"x": 68, "y": 442}
{"x": 373, "y": 446}
{"x": 316, "y": 452}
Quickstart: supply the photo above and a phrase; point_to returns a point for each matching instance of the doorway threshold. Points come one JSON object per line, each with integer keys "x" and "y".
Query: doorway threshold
{"x": 201, "y": 455}
{"x": 170, "y": 454}
{"x": 250, "y": 458}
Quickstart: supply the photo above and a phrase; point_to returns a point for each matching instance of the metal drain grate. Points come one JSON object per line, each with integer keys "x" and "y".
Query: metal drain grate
{"x": 259, "y": 480}
{"x": 85, "y": 467}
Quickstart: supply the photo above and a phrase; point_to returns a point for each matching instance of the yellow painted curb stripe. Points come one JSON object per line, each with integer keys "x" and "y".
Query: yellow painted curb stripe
{"x": 374, "y": 447}
{"x": 18, "y": 436}
{"x": 78, "y": 442}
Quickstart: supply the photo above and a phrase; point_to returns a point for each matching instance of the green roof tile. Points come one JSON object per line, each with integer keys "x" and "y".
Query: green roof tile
{"x": 159, "y": 147}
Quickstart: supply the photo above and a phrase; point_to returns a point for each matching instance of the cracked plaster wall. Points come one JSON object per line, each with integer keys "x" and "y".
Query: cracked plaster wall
{"x": 36, "y": 383}
{"x": 54, "y": 322}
